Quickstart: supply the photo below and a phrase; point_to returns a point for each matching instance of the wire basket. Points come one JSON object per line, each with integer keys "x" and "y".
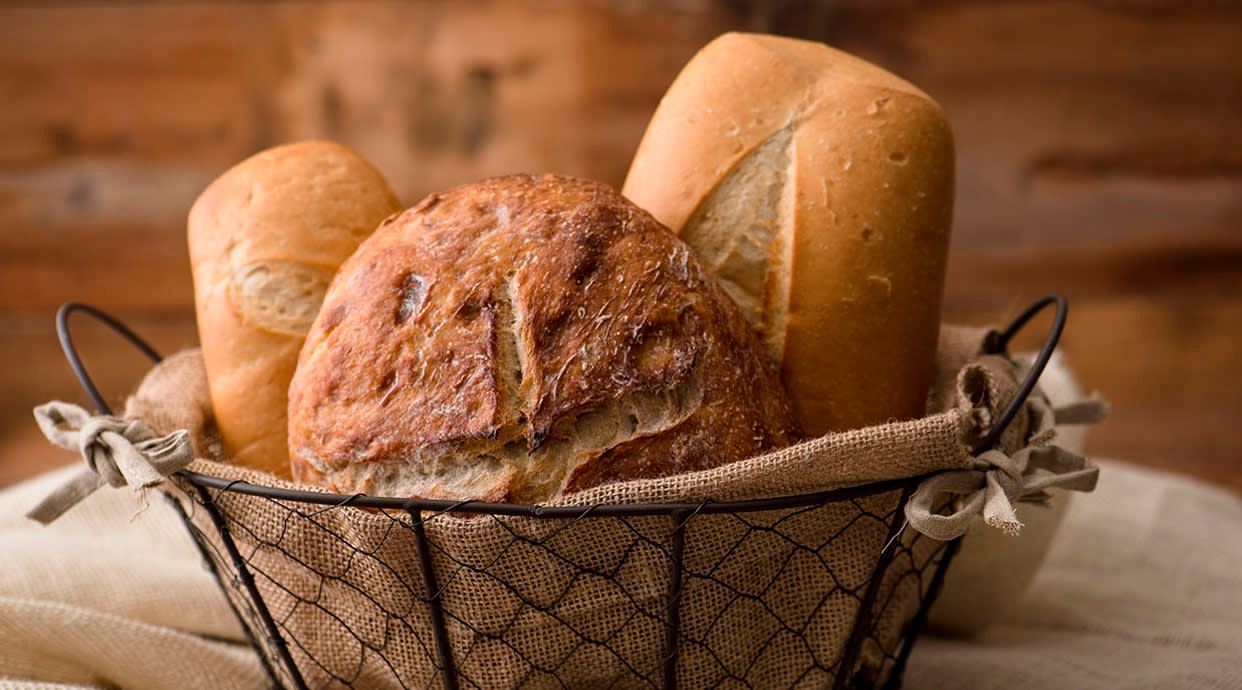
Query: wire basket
{"x": 817, "y": 590}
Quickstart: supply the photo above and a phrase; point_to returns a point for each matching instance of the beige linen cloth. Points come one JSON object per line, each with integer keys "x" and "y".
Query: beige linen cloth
{"x": 95, "y": 599}
{"x": 1143, "y": 589}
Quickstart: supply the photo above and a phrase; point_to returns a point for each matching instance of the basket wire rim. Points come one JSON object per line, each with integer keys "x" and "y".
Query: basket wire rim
{"x": 996, "y": 343}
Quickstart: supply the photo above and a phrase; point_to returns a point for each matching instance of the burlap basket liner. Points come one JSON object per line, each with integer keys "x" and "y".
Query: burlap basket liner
{"x": 768, "y": 600}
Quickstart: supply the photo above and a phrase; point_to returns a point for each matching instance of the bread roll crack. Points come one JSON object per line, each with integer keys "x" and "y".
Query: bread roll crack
{"x": 510, "y": 356}
{"x": 739, "y": 230}
{"x": 413, "y": 292}
{"x": 278, "y": 296}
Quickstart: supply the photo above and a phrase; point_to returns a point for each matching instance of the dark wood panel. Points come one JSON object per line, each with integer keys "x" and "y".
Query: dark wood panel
{"x": 110, "y": 139}
{"x": 1096, "y": 145}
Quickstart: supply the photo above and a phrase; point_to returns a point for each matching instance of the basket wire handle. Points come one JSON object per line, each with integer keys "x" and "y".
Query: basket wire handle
{"x": 75, "y": 360}
{"x": 999, "y": 479}
{"x": 118, "y": 452}
{"x": 998, "y": 343}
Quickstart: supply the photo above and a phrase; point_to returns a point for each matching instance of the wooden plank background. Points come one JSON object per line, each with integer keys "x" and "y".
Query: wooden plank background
{"x": 1098, "y": 155}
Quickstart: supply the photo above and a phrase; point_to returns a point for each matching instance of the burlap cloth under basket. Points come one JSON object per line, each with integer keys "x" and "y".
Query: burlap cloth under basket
{"x": 819, "y": 592}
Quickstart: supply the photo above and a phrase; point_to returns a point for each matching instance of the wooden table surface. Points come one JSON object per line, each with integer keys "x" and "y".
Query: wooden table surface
{"x": 1097, "y": 146}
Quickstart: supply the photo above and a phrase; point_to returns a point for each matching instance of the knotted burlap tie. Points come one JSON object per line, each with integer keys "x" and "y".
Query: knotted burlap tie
{"x": 999, "y": 480}
{"x": 118, "y": 452}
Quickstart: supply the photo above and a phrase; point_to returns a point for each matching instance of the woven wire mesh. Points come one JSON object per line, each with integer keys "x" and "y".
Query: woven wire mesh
{"x": 825, "y": 594}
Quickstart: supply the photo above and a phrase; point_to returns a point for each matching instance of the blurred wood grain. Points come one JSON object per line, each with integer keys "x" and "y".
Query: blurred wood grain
{"x": 1097, "y": 144}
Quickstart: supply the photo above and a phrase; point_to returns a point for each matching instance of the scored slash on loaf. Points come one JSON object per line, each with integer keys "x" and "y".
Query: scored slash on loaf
{"x": 524, "y": 337}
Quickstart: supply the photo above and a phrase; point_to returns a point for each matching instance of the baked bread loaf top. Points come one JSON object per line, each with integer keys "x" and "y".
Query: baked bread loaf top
{"x": 524, "y": 337}
{"x": 818, "y": 188}
{"x": 265, "y": 239}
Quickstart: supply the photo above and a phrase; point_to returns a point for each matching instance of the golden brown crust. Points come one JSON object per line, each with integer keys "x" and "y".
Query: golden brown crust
{"x": 830, "y": 179}
{"x": 265, "y": 239}
{"x": 523, "y": 336}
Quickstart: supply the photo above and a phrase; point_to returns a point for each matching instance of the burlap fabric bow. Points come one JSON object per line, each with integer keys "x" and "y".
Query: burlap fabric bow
{"x": 118, "y": 452}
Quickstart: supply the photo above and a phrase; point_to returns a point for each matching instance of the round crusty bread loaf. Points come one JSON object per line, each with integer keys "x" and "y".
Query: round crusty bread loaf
{"x": 819, "y": 189}
{"x": 524, "y": 337}
{"x": 265, "y": 240}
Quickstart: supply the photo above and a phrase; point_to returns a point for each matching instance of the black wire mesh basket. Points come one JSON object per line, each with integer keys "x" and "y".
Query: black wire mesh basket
{"x": 819, "y": 590}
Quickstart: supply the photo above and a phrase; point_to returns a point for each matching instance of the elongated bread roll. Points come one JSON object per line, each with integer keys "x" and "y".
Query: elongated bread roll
{"x": 819, "y": 190}
{"x": 265, "y": 240}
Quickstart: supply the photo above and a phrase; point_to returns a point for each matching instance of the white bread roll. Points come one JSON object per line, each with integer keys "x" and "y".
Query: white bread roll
{"x": 265, "y": 240}
{"x": 819, "y": 190}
